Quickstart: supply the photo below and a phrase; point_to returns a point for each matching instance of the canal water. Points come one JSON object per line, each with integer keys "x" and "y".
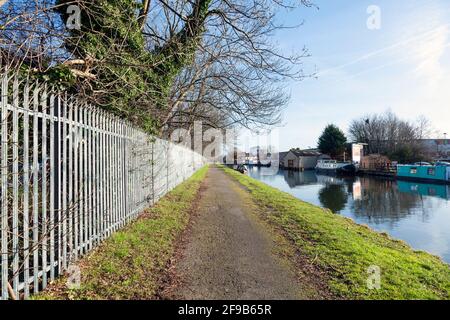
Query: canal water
{"x": 418, "y": 213}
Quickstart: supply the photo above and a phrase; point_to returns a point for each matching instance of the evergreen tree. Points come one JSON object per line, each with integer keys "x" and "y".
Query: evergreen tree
{"x": 332, "y": 141}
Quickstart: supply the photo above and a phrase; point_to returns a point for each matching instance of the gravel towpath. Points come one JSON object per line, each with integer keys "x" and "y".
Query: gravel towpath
{"x": 228, "y": 253}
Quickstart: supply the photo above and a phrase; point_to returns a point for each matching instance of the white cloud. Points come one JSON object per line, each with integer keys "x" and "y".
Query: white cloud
{"x": 428, "y": 54}
{"x": 424, "y": 50}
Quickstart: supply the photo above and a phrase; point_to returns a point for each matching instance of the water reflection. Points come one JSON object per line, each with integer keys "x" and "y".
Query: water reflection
{"x": 294, "y": 178}
{"x": 333, "y": 197}
{"x": 418, "y": 213}
{"x": 382, "y": 202}
{"x": 425, "y": 189}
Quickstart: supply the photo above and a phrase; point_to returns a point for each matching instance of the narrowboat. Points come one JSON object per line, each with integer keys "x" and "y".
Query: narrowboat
{"x": 439, "y": 173}
{"x": 332, "y": 166}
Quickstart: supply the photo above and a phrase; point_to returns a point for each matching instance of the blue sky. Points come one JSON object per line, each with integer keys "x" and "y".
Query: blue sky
{"x": 404, "y": 66}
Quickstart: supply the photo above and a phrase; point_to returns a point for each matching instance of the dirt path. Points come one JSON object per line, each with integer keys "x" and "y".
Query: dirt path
{"x": 228, "y": 254}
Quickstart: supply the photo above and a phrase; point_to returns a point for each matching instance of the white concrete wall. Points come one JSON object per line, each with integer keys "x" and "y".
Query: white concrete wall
{"x": 308, "y": 163}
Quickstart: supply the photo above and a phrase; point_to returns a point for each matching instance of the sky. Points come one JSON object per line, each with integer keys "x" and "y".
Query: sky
{"x": 402, "y": 66}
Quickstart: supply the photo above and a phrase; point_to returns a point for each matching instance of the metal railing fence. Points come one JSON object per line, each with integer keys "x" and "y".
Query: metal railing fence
{"x": 71, "y": 175}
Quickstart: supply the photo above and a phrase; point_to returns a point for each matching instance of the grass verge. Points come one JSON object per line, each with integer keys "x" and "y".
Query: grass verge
{"x": 345, "y": 250}
{"x": 131, "y": 263}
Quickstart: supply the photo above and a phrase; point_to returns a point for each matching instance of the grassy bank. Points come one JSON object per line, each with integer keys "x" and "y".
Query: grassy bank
{"x": 344, "y": 250}
{"x": 131, "y": 264}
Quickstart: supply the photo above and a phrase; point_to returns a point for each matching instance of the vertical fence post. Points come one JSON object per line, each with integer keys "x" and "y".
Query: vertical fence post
{"x": 26, "y": 190}
{"x": 120, "y": 175}
{"x": 52, "y": 185}
{"x": 95, "y": 174}
{"x": 99, "y": 175}
{"x": 70, "y": 207}
{"x": 44, "y": 220}
{"x": 131, "y": 193}
{"x": 103, "y": 212}
{"x": 79, "y": 177}
{"x": 58, "y": 182}
{"x": 90, "y": 177}
{"x": 4, "y": 187}
{"x": 64, "y": 184}
{"x": 76, "y": 196}
{"x": 86, "y": 177}
{"x": 126, "y": 168}
{"x": 15, "y": 187}
{"x": 116, "y": 173}
{"x": 35, "y": 189}
{"x": 111, "y": 177}
{"x": 114, "y": 136}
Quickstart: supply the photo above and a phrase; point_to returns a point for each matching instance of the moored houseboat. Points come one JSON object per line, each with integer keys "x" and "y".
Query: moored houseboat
{"x": 333, "y": 166}
{"x": 435, "y": 173}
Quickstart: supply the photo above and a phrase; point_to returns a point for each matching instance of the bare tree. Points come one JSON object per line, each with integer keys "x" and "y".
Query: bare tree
{"x": 210, "y": 60}
{"x": 31, "y": 35}
{"x": 425, "y": 129}
{"x": 389, "y": 135}
{"x": 238, "y": 76}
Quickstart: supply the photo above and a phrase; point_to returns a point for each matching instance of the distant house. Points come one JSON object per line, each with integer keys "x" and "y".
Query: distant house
{"x": 301, "y": 159}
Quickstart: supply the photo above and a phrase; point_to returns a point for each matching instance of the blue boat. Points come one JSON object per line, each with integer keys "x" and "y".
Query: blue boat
{"x": 430, "y": 173}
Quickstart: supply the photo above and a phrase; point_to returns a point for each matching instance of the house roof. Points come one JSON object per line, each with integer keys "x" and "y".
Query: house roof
{"x": 306, "y": 153}
{"x": 281, "y": 155}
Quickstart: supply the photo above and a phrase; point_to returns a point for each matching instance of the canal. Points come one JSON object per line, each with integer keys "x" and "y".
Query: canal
{"x": 417, "y": 213}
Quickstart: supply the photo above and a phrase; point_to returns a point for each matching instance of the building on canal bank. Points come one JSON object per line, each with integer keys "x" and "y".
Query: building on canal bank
{"x": 374, "y": 162}
{"x": 302, "y": 159}
{"x": 281, "y": 157}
